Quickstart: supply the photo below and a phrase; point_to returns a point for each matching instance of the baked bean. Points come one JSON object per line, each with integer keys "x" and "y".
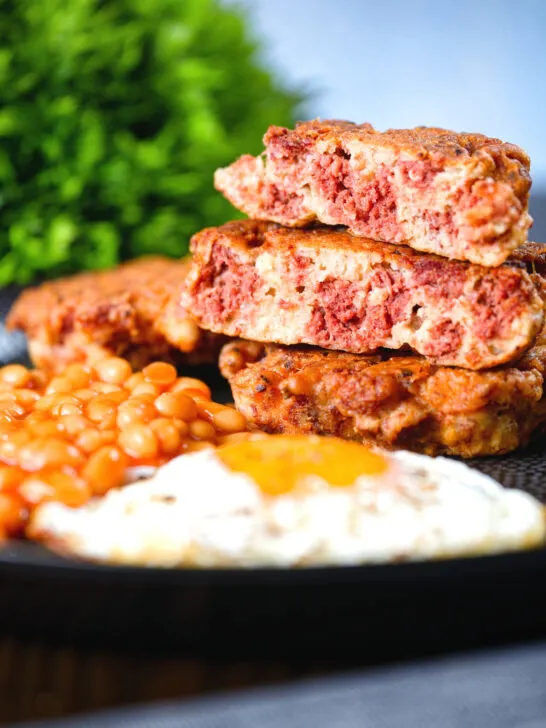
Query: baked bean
{"x": 182, "y": 427}
{"x": 70, "y": 490}
{"x": 104, "y": 387}
{"x": 102, "y": 411}
{"x": 134, "y": 411}
{"x": 59, "y": 385}
{"x": 55, "y": 485}
{"x": 10, "y": 445}
{"x": 74, "y": 435}
{"x": 46, "y": 402}
{"x": 185, "y": 334}
{"x": 134, "y": 380}
{"x": 139, "y": 441}
{"x": 105, "y": 469}
{"x": 48, "y": 452}
{"x": 7, "y": 426}
{"x": 13, "y": 410}
{"x": 298, "y": 385}
{"x": 233, "y": 438}
{"x": 195, "y": 394}
{"x": 177, "y": 405}
{"x": 194, "y": 385}
{"x": 84, "y": 395}
{"x": 27, "y": 397}
{"x": 168, "y": 435}
{"x": 38, "y": 379}
{"x": 66, "y": 404}
{"x": 225, "y": 419}
{"x": 108, "y": 436}
{"x": 14, "y": 375}
{"x": 89, "y": 440}
{"x": 73, "y": 424}
{"x": 199, "y": 445}
{"x": 146, "y": 388}
{"x": 113, "y": 370}
{"x": 201, "y": 430}
{"x": 143, "y": 398}
{"x": 69, "y": 409}
{"x": 78, "y": 375}
{"x": 49, "y": 428}
{"x": 7, "y": 398}
{"x": 119, "y": 396}
{"x": 36, "y": 416}
{"x": 10, "y": 478}
{"x": 160, "y": 373}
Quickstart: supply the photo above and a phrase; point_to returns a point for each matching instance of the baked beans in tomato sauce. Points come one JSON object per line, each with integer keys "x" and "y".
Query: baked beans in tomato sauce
{"x": 70, "y": 437}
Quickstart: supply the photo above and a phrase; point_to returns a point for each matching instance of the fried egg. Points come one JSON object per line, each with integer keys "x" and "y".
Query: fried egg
{"x": 286, "y": 501}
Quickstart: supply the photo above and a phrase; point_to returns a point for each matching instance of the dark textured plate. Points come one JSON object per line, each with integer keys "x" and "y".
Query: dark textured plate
{"x": 387, "y": 611}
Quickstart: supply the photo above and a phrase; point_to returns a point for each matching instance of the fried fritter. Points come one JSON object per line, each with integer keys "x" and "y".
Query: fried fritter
{"x": 326, "y": 288}
{"x": 392, "y": 401}
{"x": 130, "y": 311}
{"x": 462, "y": 196}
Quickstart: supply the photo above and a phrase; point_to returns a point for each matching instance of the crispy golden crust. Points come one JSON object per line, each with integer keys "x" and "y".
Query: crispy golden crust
{"x": 393, "y": 401}
{"x": 130, "y": 311}
{"x": 324, "y": 287}
{"x": 511, "y": 163}
{"x": 463, "y": 196}
{"x": 532, "y": 256}
{"x": 253, "y": 234}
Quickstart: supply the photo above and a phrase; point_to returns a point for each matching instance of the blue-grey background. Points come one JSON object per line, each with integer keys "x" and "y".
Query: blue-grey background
{"x": 468, "y": 65}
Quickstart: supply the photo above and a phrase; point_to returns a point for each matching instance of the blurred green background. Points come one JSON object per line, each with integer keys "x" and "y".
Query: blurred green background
{"x": 113, "y": 116}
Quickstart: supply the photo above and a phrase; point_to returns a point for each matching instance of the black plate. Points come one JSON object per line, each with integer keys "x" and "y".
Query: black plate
{"x": 368, "y": 612}
{"x": 372, "y": 612}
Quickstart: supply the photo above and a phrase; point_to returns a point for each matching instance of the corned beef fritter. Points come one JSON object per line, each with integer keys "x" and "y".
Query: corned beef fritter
{"x": 129, "y": 311}
{"x": 462, "y": 196}
{"x": 327, "y": 288}
{"x": 392, "y": 401}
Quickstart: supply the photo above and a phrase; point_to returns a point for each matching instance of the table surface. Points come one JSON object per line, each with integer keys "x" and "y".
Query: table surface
{"x": 40, "y": 681}
{"x": 491, "y": 689}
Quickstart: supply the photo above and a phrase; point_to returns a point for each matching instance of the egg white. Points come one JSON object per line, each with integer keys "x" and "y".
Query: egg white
{"x": 196, "y": 512}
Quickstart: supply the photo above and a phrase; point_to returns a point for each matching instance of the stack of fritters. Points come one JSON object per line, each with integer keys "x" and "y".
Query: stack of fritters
{"x": 401, "y": 255}
{"x": 386, "y": 276}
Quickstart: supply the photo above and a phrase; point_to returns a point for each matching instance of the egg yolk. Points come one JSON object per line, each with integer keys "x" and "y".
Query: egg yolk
{"x": 278, "y": 464}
